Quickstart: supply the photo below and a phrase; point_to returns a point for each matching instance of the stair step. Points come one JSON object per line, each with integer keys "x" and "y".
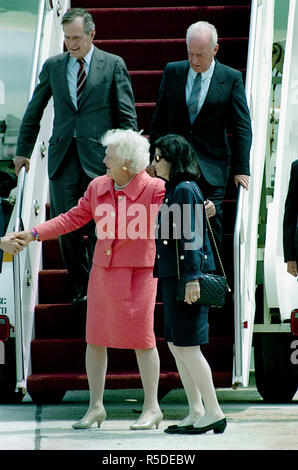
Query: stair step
{"x": 122, "y": 380}
{"x": 51, "y": 255}
{"x": 145, "y": 84}
{"x": 147, "y": 54}
{"x": 136, "y": 23}
{"x": 58, "y": 355}
{"x": 68, "y": 355}
{"x": 62, "y": 321}
{"x": 54, "y": 286}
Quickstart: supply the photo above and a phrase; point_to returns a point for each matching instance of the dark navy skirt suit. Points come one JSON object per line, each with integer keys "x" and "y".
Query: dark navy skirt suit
{"x": 182, "y": 217}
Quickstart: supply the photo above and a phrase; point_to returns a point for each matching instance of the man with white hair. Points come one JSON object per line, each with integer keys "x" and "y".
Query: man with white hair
{"x": 204, "y": 100}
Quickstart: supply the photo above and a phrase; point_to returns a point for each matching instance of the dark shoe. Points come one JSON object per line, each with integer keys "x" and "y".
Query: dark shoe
{"x": 79, "y": 299}
{"x": 173, "y": 429}
{"x": 217, "y": 427}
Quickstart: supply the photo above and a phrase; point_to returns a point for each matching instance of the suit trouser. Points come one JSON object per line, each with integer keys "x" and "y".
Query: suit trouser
{"x": 215, "y": 194}
{"x": 66, "y": 187}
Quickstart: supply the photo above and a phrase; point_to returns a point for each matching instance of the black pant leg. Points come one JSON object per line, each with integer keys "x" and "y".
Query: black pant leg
{"x": 67, "y": 186}
{"x": 215, "y": 194}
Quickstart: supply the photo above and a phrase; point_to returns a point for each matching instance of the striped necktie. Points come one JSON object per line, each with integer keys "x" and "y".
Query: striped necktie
{"x": 81, "y": 79}
{"x": 193, "y": 99}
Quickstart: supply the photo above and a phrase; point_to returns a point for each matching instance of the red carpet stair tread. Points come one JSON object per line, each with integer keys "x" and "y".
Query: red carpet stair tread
{"x": 147, "y": 37}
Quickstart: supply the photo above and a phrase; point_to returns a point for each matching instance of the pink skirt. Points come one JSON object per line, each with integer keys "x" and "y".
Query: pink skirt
{"x": 120, "y": 307}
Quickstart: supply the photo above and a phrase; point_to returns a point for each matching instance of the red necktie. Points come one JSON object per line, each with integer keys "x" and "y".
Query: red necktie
{"x": 81, "y": 80}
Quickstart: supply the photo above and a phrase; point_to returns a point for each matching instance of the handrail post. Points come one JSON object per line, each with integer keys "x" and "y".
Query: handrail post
{"x": 239, "y": 208}
{"x": 37, "y": 40}
{"x": 20, "y": 373}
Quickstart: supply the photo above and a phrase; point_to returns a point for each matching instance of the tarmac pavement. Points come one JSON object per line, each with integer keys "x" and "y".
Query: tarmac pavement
{"x": 252, "y": 425}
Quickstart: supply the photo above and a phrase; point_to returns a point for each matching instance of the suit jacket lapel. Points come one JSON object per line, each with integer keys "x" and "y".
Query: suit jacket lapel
{"x": 63, "y": 78}
{"x": 214, "y": 91}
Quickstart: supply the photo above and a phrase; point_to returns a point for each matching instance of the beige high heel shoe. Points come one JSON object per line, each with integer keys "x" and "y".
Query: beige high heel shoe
{"x": 154, "y": 421}
{"x": 87, "y": 421}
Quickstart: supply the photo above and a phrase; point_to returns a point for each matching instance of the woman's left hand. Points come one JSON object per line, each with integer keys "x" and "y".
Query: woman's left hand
{"x": 192, "y": 292}
{"x": 210, "y": 208}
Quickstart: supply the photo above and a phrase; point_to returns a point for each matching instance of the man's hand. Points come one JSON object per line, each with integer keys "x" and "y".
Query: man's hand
{"x": 26, "y": 236}
{"x": 209, "y": 208}
{"x": 241, "y": 179}
{"x": 19, "y": 162}
{"x": 292, "y": 268}
{"x": 12, "y": 244}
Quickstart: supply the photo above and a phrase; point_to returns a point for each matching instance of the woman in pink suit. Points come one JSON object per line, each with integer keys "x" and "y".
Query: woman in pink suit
{"x": 121, "y": 291}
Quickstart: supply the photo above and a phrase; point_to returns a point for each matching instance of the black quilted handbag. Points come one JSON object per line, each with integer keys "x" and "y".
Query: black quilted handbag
{"x": 213, "y": 288}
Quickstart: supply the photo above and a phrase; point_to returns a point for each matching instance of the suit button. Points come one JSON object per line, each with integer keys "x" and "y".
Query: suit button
{"x": 206, "y": 257}
{"x": 158, "y": 256}
{"x": 165, "y": 242}
{"x": 182, "y": 257}
{"x": 166, "y": 200}
{"x": 108, "y": 252}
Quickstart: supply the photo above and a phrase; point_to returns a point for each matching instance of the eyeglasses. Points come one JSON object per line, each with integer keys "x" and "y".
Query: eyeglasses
{"x": 157, "y": 158}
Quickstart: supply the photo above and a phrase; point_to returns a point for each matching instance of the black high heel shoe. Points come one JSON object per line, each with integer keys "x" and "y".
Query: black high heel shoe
{"x": 218, "y": 427}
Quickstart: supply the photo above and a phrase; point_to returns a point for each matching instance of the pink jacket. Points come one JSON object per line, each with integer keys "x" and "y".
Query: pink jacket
{"x": 125, "y": 220}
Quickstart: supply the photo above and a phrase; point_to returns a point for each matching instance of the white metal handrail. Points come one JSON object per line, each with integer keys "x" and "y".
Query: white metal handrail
{"x": 240, "y": 201}
{"x": 48, "y": 40}
{"x": 20, "y": 375}
{"x": 246, "y": 254}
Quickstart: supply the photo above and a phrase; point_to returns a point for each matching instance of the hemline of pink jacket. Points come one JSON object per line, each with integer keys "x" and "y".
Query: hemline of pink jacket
{"x": 103, "y": 204}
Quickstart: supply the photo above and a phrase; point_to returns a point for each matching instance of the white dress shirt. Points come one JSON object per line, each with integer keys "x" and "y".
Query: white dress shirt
{"x": 206, "y": 78}
{"x": 72, "y": 73}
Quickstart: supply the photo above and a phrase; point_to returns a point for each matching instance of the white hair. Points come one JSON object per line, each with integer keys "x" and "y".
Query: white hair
{"x": 129, "y": 145}
{"x": 198, "y": 27}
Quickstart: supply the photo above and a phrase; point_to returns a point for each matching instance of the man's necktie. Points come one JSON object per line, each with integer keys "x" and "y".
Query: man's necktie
{"x": 193, "y": 99}
{"x": 81, "y": 80}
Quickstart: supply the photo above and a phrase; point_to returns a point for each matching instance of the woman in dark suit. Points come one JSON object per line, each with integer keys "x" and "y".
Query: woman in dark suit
{"x": 182, "y": 216}
{"x": 290, "y": 223}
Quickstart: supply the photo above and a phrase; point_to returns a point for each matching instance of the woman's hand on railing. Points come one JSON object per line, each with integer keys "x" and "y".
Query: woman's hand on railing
{"x": 19, "y": 162}
{"x": 12, "y": 243}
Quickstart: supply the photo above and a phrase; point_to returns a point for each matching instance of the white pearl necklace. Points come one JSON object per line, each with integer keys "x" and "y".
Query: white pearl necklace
{"x": 118, "y": 188}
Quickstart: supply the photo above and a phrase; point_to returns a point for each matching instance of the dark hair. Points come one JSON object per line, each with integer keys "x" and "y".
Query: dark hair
{"x": 73, "y": 13}
{"x": 175, "y": 149}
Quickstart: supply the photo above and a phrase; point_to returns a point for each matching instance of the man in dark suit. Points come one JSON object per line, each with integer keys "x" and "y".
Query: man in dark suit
{"x": 290, "y": 223}
{"x": 203, "y": 100}
{"x": 89, "y": 98}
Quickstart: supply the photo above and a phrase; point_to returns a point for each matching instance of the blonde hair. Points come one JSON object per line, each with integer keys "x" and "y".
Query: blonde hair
{"x": 129, "y": 145}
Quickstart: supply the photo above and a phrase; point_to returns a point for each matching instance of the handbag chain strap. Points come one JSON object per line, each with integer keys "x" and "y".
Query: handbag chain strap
{"x": 215, "y": 246}
{"x": 217, "y": 252}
